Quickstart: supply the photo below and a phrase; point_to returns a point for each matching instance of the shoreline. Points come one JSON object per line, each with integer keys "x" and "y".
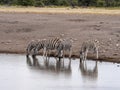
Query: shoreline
{"x": 74, "y": 57}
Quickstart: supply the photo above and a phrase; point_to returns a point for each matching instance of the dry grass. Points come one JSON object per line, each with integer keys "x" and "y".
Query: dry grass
{"x": 65, "y": 10}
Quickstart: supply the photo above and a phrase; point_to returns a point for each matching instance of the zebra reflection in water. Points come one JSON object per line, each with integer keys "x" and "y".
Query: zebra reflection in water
{"x": 57, "y": 67}
{"x": 33, "y": 62}
{"x": 87, "y": 72}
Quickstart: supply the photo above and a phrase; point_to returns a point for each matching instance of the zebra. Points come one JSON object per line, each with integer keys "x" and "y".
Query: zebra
{"x": 48, "y": 45}
{"x": 52, "y": 44}
{"x": 88, "y": 46}
{"x": 39, "y": 46}
{"x": 31, "y": 46}
{"x": 64, "y": 46}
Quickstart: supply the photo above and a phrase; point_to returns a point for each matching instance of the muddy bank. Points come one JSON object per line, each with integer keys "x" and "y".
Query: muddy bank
{"x": 17, "y": 29}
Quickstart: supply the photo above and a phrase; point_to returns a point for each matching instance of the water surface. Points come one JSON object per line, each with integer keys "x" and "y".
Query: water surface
{"x": 19, "y": 73}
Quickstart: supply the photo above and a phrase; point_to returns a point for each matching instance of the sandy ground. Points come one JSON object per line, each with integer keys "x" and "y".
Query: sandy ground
{"x": 17, "y": 29}
{"x": 60, "y": 10}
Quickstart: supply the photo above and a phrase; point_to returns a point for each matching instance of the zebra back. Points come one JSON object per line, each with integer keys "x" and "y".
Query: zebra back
{"x": 89, "y": 45}
{"x": 53, "y": 43}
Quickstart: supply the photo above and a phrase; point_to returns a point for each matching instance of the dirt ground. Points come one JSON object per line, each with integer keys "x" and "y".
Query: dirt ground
{"x": 18, "y": 29}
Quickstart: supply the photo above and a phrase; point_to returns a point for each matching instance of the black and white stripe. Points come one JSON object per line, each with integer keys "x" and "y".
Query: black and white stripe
{"x": 31, "y": 46}
{"x": 52, "y": 44}
{"x": 47, "y": 45}
{"x": 88, "y": 46}
{"x": 57, "y": 44}
{"x": 39, "y": 46}
{"x": 65, "y": 46}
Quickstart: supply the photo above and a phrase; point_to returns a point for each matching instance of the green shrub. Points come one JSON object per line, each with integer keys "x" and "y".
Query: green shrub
{"x": 100, "y": 3}
{"x": 63, "y": 3}
{"x": 39, "y": 3}
{"x": 26, "y": 2}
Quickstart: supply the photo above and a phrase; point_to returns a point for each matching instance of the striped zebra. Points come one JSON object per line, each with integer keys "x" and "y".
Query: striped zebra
{"x": 39, "y": 46}
{"x": 31, "y": 46}
{"x": 65, "y": 46}
{"x": 52, "y": 44}
{"x": 88, "y": 46}
{"x": 48, "y": 45}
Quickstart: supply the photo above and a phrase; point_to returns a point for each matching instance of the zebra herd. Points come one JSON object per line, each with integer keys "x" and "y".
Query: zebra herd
{"x": 60, "y": 46}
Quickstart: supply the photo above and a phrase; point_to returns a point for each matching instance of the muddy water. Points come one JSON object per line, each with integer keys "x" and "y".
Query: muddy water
{"x": 19, "y": 73}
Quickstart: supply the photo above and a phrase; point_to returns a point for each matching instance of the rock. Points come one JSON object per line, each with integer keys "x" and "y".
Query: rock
{"x": 117, "y": 45}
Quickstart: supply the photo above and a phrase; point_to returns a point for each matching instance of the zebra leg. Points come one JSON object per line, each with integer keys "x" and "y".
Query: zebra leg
{"x": 70, "y": 53}
{"x": 28, "y": 61}
{"x": 44, "y": 58}
{"x": 48, "y": 56}
{"x": 81, "y": 59}
{"x": 44, "y": 52}
{"x": 63, "y": 56}
{"x": 97, "y": 54}
{"x": 86, "y": 54}
{"x": 81, "y": 56}
{"x": 27, "y": 55}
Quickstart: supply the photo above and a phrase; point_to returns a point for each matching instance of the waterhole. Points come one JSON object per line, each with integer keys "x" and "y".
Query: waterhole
{"x": 20, "y": 73}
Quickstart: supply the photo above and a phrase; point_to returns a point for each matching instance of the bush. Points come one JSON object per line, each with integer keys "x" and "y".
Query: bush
{"x": 100, "y": 3}
{"x": 26, "y": 2}
{"x": 63, "y": 3}
{"x": 39, "y": 3}
{"x": 51, "y": 2}
{"x": 87, "y": 2}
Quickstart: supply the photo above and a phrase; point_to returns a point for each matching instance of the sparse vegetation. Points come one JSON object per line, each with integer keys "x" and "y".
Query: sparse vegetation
{"x": 73, "y": 3}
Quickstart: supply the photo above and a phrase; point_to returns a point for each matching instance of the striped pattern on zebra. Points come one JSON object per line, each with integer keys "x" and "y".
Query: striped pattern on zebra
{"x": 31, "y": 46}
{"x": 65, "y": 46}
{"x": 51, "y": 44}
{"x": 88, "y": 46}
{"x": 57, "y": 44}
{"x": 39, "y": 46}
{"x": 46, "y": 44}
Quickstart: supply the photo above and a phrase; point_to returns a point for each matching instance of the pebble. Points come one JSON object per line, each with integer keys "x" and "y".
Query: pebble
{"x": 117, "y": 45}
